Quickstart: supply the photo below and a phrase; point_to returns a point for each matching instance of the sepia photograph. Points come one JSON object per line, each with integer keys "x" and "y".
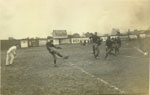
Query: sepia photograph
{"x": 74, "y": 47}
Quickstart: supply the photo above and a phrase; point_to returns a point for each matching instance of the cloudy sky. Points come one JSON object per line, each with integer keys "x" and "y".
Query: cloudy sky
{"x": 31, "y": 18}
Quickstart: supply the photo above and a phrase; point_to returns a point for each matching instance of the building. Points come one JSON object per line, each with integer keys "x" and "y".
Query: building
{"x": 80, "y": 40}
{"x": 60, "y": 37}
{"x": 6, "y": 44}
{"x": 24, "y": 43}
{"x": 42, "y": 41}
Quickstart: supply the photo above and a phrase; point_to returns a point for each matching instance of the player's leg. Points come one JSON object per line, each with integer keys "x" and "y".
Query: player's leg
{"x": 96, "y": 51}
{"x": 54, "y": 56}
{"x": 94, "y": 48}
{"x": 119, "y": 46}
{"x": 11, "y": 58}
{"x": 7, "y": 59}
{"x": 108, "y": 52}
{"x": 111, "y": 49}
{"x": 54, "y": 51}
{"x": 116, "y": 49}
{"x": 59, "y": 54}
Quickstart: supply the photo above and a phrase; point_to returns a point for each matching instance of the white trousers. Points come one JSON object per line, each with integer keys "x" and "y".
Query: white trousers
{"x": 9, "y": 58}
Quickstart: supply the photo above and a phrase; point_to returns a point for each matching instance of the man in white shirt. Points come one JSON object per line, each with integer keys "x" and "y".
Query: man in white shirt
{"x": 11, "y": 53}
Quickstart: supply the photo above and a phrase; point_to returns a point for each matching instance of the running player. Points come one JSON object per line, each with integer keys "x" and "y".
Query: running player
{"x": 96, "y": 43}
{"x": 109, "y": 46}
{"x": 114, "y": 46}
{"x": 118, "y": 42}
{"x": 53, "y": 51}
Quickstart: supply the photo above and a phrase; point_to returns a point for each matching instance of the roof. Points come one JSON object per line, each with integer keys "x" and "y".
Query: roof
{"x": 59, "y": 34}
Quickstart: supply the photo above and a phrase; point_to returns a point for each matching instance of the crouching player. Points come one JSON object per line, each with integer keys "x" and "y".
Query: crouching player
{"x": 11, "y": 54}
{"x": 53, "y": 51}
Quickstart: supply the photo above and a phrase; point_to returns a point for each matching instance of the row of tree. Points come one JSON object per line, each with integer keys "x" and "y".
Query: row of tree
{"x": 88, "y": 34}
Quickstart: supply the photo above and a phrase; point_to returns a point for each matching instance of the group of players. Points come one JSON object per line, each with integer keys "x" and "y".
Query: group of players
{"x": 112, "y": 44}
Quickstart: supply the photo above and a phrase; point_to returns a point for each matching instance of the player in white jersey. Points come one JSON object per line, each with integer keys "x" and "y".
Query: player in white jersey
{"x": 11, "y": 53}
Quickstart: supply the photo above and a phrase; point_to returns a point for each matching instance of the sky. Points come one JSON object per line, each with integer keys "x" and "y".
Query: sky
{"x": 38, "y": 18}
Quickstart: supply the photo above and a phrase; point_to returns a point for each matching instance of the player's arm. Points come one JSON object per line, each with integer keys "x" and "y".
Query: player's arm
{"x": 14, "y": 52}
{"x": 57, "y": 47}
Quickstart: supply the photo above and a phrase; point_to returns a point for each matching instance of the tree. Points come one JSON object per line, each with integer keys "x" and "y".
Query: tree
{"x": 87, "y": 34}
{"x": 118, "y": 33}
{"x": 37, "y": 37}
{"x": 115, "y": 31}
{"x": 106, "y": 35}
{"x": 76, "y": 35}
{"x": 70, "y": 36}
{"x": 11, "y": 38}
{"x": 49, "y": 37}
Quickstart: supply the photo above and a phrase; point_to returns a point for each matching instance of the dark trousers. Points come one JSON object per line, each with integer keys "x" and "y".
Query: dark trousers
{"x": 95, "y": 50}
{"x": 108, "y": 51}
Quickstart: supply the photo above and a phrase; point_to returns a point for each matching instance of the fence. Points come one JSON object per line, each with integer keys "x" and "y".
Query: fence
{"x": 5, "y": 44}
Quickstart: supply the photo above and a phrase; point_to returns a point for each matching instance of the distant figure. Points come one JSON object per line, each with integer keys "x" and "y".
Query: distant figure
{"x": 109, "y": 46}
{"x": 118, "y": 43}
{"x": 96, "y": 43}
{"x": 80, "y": 42}
{"x": 84, "y": 43}
{"x": 139, "y": 42}
{"x": 53, "y": 51}
{"x": 11, "y": 53}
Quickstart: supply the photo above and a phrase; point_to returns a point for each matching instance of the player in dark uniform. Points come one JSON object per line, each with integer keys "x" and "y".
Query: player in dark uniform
{"x": 118, "y": 45}
{"x": 114, "y": 46}
{"x": 53, "y": 51}
{"x": 84, "y": 43}
{"x": 96, "y": 43}
{"x": 109, "y": 46}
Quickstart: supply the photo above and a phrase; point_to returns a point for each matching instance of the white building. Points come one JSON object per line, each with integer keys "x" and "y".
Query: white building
{"x": 60, "y": 37}
{"x": 42, "y": 42}
{"x": 80, "y": 40}
{"x": 24, "y": 43}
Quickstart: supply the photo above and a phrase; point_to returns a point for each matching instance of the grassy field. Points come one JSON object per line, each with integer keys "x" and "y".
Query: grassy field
{"x": 33, "y": 72}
